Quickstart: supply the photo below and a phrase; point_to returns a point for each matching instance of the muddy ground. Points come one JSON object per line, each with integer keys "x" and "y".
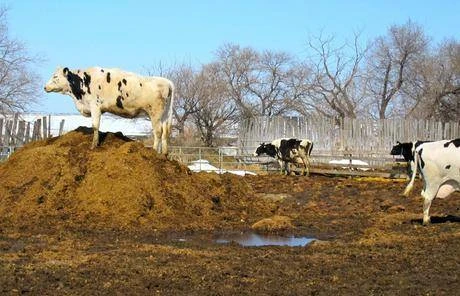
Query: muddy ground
{"x": 121, "y": 220}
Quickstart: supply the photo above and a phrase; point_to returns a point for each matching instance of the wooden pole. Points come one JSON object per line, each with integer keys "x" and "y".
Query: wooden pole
{"x": 45, "y": 128}
{"x": 61, "y": 127}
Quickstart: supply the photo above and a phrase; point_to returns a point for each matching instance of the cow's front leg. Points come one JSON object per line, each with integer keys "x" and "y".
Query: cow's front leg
{"x": 96, "y": 118}
{"x": 281, "y": 164}
{"x": 287, "y": 169}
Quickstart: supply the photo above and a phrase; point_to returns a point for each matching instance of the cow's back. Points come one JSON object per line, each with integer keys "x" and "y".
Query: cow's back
{"x": 440, "y": 158}
{"x": 128, "y": 94}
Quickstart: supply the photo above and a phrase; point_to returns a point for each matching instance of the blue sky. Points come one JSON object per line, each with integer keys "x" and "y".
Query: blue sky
{"x": 136, "y": 35}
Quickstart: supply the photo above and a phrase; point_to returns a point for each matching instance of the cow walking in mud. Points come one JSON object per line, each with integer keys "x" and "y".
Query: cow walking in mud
{"x": 439, "y": 164}
{"x": 98, "y": 90}
{"x": 287, "y": 151}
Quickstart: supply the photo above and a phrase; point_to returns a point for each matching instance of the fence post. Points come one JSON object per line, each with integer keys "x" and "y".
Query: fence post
{"x": 27, "y": 136}
{"x": 49, "y": 125}
{"x": 45, "y": 128}
{"x": 61, "y": 127}
{"x": 20, "y": 134}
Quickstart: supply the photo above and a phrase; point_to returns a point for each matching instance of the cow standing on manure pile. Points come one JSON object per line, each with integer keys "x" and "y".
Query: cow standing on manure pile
{"x": 98, "y": 90}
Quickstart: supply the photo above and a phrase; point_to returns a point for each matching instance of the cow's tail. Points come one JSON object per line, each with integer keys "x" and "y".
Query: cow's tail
{"x": 167, "y": 114}
{"x": 414, "y": 173}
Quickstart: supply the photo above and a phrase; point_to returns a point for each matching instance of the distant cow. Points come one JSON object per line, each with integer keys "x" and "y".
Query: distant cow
{"x": 97, "y": 90}
{"x": 288, "y": 151}
{"x": 407, "y": 151}
{"x": 439, "y": 164}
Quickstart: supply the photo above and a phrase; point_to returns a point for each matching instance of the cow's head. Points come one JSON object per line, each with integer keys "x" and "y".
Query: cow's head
{"x": 59, "y": 81}
{"x": 268, "y": 149}
{"x": 404, "y": 149}
{"x": 397, "y": 149}
{"x": 259, "y": 150}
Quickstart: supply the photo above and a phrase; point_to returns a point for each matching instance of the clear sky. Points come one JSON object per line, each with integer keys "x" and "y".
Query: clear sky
{"x": 136, "y": 35}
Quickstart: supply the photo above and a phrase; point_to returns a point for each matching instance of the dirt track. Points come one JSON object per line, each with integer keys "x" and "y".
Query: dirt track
{"x": 81, "y": 222}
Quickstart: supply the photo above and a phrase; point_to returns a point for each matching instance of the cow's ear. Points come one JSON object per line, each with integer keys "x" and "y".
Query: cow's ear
{"x": 65, "y": 70}
{"x": 399, "y": 143}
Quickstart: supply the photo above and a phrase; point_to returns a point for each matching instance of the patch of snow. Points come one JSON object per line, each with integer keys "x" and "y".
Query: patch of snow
{"x": 347, "y": 162}
{"x": 203, "y": 165}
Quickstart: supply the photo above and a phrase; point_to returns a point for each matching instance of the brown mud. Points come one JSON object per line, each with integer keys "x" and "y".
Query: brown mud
{"x": 112, "y": 221}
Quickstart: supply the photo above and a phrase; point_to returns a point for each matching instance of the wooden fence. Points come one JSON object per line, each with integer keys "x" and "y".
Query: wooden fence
{"x": 359, "y": 137}
{"x": 15, "y": 132}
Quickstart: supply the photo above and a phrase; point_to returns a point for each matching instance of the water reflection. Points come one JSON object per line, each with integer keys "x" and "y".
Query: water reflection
{"x": 250, "y": 239}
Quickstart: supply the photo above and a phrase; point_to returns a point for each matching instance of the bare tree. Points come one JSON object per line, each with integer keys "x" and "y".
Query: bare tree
{"x": 216, "y": 112}
{"x": 186, "y": 98}
{"x": 259, "y": 83}
{"x": 391, "y": 64}
{"x": 336, "y": 85}
{"x": 297, "y": 82}
{"x": 435, "y": 91}
{"x": 19, "y": 85}
{"x": 270, "y": 88}
{"x": 237, "y": 64}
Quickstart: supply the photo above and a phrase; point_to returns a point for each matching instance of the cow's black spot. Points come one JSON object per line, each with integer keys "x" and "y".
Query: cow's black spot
{"x": 456, "y": 143}
{"x": 76, "y": 84}
{"x": 447, "y": 166}
{"x": 99, "y": 87}
{"x": 87, "y": 81}
{"x": 119, "y": 85}
{"x": 120, "y": 102}
{"x": 422, "y": 163}
{"x": 287, "y": 146}
{"x": 124, "y": 81}
{"x": 108, "y": 77}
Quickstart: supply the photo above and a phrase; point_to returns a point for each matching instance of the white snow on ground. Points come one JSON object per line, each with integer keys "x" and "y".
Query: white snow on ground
{"x": 346, "y": 162}
{"x": 202, "y": 165}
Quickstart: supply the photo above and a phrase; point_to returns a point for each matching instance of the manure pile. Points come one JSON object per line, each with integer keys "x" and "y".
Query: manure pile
{"x": 61, "y": 183}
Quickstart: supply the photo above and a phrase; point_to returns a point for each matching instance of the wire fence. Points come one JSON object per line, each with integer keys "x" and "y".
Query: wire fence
{"x": 222, "y": 159}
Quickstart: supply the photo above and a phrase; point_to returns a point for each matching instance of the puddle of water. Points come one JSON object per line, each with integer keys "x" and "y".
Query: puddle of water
{"x": 258, "y": 240}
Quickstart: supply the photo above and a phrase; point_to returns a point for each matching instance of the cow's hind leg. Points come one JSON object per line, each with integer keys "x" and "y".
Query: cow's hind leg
{"x": 166, "y": 131}
{"x": 96, "y": 121}
{"x": 305, "y": 171}
{"x": 426, "y": 211}
{"x": 156, "y": 131}
{"x": 427, "y": 199}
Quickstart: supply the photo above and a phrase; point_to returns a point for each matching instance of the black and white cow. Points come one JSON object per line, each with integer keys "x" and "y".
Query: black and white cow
{"x": 407, "y": 150}
{"x": 439, "y": 164}
{"x": 287, "y": 151}
{"x": 98, "y": 90}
